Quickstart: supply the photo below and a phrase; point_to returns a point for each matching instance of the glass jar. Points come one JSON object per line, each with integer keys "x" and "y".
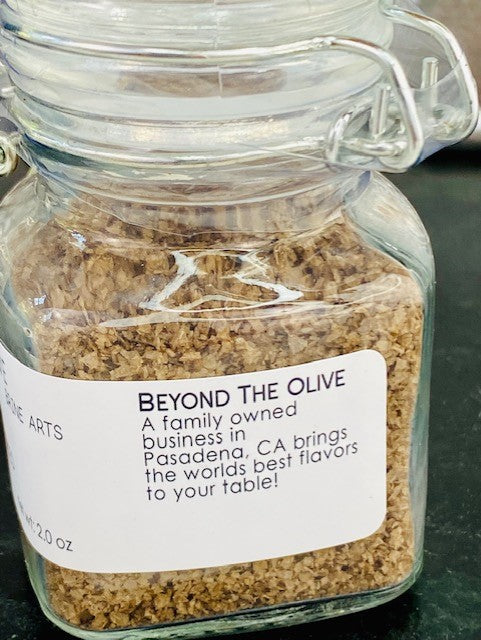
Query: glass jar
{"x": 216, "y": 316}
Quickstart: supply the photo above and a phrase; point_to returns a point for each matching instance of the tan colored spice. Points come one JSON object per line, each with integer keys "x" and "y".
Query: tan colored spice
{"x": 354, "y": 297}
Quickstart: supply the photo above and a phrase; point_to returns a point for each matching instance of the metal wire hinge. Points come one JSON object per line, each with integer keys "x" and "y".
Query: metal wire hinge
{"x": 8, "y": 154}
{"x": 389, "y": 129}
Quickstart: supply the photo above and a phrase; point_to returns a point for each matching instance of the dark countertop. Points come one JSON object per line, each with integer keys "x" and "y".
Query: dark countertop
{"x": 445, "y": 604}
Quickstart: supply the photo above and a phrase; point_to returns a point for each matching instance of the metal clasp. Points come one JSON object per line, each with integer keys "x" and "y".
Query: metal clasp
{"x": 387, "y": 129}
{"x": 8, "y": 141}
{"x": 397, "y": 125}
{"x": 8, "y": 154}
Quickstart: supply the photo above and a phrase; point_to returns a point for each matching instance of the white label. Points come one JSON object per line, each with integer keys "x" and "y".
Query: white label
{"x": 116, "y": 477}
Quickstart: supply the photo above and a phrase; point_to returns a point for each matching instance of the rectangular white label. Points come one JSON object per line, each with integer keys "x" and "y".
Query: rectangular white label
{"x": 116, "y": 477}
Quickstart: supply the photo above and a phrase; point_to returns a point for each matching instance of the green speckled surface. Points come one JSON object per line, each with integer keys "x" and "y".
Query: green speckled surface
{"x": 445, "y": 604}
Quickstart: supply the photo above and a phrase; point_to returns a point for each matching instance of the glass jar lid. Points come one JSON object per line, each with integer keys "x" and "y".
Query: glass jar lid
{"x": 196, "y": 25}
{"x": 190, "y": 82}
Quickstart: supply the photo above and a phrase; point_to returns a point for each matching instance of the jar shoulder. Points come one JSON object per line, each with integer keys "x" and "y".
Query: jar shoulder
{"x": 98, "y": 262}
{"x": 171, "y": 300}
{"x": 386, "y": 218}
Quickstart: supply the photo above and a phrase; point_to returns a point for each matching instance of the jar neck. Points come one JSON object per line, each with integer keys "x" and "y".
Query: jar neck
{"x": 216, "y": 201}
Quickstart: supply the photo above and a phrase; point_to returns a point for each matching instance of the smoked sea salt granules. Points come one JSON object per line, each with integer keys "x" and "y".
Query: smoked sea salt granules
{"x": 310, "y": 287}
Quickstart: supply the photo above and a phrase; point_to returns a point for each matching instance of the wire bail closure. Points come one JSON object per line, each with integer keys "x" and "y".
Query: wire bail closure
{"x": 386, "y": 131}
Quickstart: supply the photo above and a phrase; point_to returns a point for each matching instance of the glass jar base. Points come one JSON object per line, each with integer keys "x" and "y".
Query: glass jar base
{"x": 241, "y": 622}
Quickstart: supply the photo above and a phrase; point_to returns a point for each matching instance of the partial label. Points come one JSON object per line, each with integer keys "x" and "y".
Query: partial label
{"x": 115, "y": 477}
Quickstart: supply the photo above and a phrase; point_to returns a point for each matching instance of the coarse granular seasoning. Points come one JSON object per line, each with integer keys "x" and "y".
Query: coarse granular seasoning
{"x": 97, "y": 322}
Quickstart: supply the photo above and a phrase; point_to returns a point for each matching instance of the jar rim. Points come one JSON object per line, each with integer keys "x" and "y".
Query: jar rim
{"x": 193, "y": 24}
